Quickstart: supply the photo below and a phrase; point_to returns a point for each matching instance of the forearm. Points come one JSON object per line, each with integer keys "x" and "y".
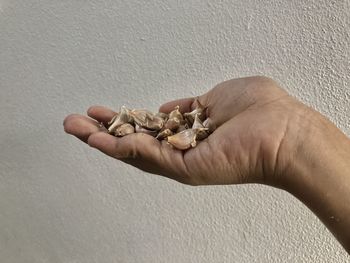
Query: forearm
{"x": 321, "y": 178}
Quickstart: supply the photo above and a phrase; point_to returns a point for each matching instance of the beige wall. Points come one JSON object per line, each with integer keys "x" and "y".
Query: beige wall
{"x": 61, "y": 201}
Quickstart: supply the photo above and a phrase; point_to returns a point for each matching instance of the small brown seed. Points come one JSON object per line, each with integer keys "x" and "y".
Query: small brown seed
{"x": 162, "y": 115}
{"x": 113, "y": 119}
{"x": 182, "y": 127}
{"x": 144, "y": 130}
{"x": 183, "y": 140}
{"x": 172, "y": 124}
{"x": 124, "y": 129}
{"x": 176, "y": 114}
{"x": 210, "y": 124}
{"x": 197, "y": 124}
{"x": 164, "y": 134}
{"x": 200, "y": 110}
{"x": 121, "y": 118}
{"x": 147, "y": 119}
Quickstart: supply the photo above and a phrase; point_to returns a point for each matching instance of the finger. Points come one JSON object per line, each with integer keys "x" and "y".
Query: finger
{"x": 80, "y": 126}
{"x": 101, "y": 113}
{"x": 142, "y": 151}
{"x": 185, "y": 105}
{"x": 131, "y": 146}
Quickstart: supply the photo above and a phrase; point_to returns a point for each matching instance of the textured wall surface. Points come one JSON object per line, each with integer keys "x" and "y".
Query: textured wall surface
{"x": 61, "y": 201}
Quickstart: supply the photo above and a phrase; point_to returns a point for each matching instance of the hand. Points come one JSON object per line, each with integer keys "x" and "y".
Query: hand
{"x": 259, "y": 129}
{"x": 263, "y": 135}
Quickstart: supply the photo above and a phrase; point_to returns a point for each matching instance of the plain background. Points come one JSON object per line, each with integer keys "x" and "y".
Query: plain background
{"x": 61, "y": 201}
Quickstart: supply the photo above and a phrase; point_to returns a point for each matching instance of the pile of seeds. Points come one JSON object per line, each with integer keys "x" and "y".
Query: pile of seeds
{"x": 180, "y": 130}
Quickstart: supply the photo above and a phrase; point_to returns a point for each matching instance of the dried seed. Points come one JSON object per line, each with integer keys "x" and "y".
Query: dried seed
{"x": 156, "y": 124}
{"x": 162, "y": 115}
{"x": 200, "y": 110}
{"x": 113, "y": 119}
{"x": 121, "y": 118}
{"x": 202, "y": 134}
{"x": 176, "y": 114}
{"x": 182, "y": 127}
{"x": 147, "y": 119}
{"x": 140, "y": 116}
{"x": 197, "y": 124}
{"x": 164, "y": 134}
{"x": 124, "y": 129}
{"x": 209, "y": 123}
{"x": 183, "y": 140}
{"x": 172, "y": 124}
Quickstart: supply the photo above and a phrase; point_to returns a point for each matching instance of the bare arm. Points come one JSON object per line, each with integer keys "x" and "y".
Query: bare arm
{"x": 320, "y": 177}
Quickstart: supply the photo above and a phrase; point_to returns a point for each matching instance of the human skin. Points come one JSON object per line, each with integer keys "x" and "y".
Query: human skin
{"x": 263, "y": 135}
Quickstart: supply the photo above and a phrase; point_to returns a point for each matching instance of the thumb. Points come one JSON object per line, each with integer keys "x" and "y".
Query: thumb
{"x": 185, "y": 105}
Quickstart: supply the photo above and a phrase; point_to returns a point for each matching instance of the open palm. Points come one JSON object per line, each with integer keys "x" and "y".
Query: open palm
{"x": 256, "y": 123}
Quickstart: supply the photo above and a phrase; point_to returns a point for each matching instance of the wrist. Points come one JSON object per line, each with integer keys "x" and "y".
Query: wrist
{"x": 322, "y": 152}
{"x": 320, "y": 176}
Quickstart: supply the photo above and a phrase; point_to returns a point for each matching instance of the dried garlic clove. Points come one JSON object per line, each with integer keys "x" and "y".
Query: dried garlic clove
{"x": 209, "y": 123}
{"x": 123, "y": 117}
{"x": 184, "y": 139}
{"x": 182, "y": 127}
{"x": 140, "y": 116}
{"x": 164, "y": 134}
{"x": 162, "y": 115}
{"x": 202, "y": 134}
{"x": 172, "y": 124}
{"x": 156, "y": 123}
{"x": 176, "y": 114}
{"x": 113, "y": 119}
{"x": 140, "y": 129}
{"x": 124, "y": 129}
{"x": 200, "y": 110}
{"x": 198, "y": 125}
{"x": 147, "y": 119}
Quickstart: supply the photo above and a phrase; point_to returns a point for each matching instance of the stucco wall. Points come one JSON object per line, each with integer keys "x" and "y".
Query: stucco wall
{"x": 61, "y": 201}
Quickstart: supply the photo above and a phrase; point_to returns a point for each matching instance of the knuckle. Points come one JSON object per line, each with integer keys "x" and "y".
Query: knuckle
{"x": 263, "y": 87}
{"x": 264, "y": 80}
